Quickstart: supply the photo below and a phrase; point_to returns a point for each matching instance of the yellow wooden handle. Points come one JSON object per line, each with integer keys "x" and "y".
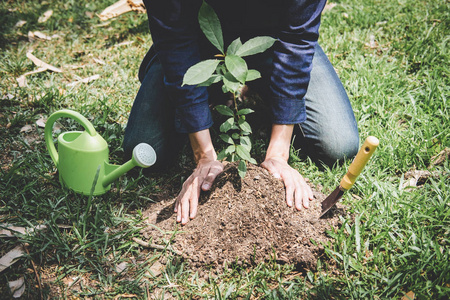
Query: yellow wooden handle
{"x": 361, "y": 159}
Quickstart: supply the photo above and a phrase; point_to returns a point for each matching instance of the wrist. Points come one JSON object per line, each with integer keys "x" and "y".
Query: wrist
{"x": 202, "y": 146}
{"x": 280, "y": 142}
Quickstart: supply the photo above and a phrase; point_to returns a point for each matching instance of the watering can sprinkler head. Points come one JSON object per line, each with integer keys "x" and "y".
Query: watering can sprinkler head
{"x": 143, "y": 155}
{"x": 82, "y": 156}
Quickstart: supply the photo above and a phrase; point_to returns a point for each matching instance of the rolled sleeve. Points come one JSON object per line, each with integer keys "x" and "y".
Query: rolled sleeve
{"x": 292, "y": 60}
{"x": 193, "y": 118}
{"x": 175, "y": 33}
{"x": 288, "y": 111}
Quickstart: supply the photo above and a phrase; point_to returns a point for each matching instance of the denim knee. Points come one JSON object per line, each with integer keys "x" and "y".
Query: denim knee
{"x": 327, "y": 146}
{"x": 337, "y": 149}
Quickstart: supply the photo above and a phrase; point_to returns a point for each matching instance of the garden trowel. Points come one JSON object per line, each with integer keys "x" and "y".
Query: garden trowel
{"x": 354, "y": 170}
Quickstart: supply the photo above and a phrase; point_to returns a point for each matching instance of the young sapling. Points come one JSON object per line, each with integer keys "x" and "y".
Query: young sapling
{"x": 230, "y": 69}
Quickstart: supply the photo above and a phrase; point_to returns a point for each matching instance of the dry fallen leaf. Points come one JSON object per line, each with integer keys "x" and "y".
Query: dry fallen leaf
{"x": 417, "y": 178}
{"x": 11, "y": 257}
{"x": 20, "y": 23}
{"x": 156, "y": 269}
{"x": 8, "y": 230}
{"x": 7, "y": 97}
{"x": 99, "y": 61}
{"x": 17, "y": 287}
{"x": 121, "y": 7}
{"x": 124, "y": 44}
{"x": 71, "y": 281}
{"x": 22, "y": 81}
{"x": 37, "y": 35}
{"x": 439, "y": 158}
{"x": 126, "y": 296}
{"x": 409, "y": 296}
{"x": 42, "y": 64}
{"x": 45, "y": 16}
{"x": 121, "y": 267}
{"x": 57, "y": 127}
{"x": 26, "y": 128}
{"x": 85, "y": 80}
{"x": 41, "y": 122}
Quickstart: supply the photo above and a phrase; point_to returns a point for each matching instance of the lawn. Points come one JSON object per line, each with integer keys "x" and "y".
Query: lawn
{"x": 393, "y": 59}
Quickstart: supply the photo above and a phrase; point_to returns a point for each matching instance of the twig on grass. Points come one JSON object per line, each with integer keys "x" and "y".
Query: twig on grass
{"x": 155, "y": 246}
{"x": 35, "y": 272}
{"x": 125, "y": 296}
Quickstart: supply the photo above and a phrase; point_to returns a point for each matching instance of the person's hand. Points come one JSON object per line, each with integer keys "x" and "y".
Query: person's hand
{"x": 297, "y": 190}
{"x": 201, "y": 179}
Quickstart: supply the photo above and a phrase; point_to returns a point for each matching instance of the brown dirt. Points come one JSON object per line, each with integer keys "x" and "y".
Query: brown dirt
{"x": 244, "y": 221}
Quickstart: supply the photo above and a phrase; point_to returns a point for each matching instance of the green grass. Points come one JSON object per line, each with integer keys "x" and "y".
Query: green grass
{"x": 392, "y": 57}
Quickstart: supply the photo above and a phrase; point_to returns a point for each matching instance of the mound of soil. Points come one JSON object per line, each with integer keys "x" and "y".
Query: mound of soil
{"x": 245, "y": 221}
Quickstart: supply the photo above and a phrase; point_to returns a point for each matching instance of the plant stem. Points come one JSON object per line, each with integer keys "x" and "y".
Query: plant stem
{"x": 235, "y": 104}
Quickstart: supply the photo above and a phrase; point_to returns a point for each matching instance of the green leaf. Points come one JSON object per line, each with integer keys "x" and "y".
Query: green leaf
{"x": 252, "y": 75}
{"x": 200, "y": 72}
{"x": 255, "y": 45}
{"x": 231, "y": 149}
{"x": 234, "y": 46}
{"x": 244, "y": 125}
{"x": 211, "y": 80}
{"x": 222, "y": 154}
{"x": 237, "y": 67}
{"x": 246, "y": 143}
{"x": 224, "y": 110}
{"x": 245, "y": 111}
{"x": 225, "y": 89}
{"x": 242, "y": 169}
{"x": 210, "y": 25}
{"x": 227, "y": 125}
{"x": 244, "y": 154}
{"x": 221, "y": 69}
{"x": 226, "y": 138}
{"x": 230, "y": 83}
{"x": 235, "y": 136}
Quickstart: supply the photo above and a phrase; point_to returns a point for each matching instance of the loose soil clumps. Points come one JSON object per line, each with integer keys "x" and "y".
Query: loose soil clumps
{"x": 245, "y": 221}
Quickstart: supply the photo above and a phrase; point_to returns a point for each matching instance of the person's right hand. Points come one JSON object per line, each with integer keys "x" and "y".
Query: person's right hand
{"x": 208, "y": 167}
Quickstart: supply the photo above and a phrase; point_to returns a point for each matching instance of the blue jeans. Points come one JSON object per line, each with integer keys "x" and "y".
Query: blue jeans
{"x": 328, "y": 135}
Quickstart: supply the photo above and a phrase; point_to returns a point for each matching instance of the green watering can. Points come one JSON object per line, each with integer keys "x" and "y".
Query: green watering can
{"x": 83, "y": 154}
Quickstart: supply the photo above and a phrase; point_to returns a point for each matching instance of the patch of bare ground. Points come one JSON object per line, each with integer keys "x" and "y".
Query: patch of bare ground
{"x": 242, "y": 221}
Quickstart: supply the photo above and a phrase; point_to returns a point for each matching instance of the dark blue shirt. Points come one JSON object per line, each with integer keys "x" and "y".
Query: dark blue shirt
{"x": 179, "y": 44}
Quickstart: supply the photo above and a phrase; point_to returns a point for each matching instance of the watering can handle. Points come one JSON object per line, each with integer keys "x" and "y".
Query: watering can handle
{"x": 67, "y": 113}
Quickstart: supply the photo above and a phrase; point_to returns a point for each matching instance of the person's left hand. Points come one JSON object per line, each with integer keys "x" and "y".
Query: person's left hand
{"x": 297, "y": 190}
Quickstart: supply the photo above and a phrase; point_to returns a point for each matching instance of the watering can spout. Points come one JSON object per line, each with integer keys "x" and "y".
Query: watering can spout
{"x": 143, "y": 156}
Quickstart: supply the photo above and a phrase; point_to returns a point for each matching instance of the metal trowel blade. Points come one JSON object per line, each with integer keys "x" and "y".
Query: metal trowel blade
{"x": 331, "y": 200}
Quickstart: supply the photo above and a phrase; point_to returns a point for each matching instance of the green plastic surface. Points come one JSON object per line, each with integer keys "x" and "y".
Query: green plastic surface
{"x": 79, "y": 155}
